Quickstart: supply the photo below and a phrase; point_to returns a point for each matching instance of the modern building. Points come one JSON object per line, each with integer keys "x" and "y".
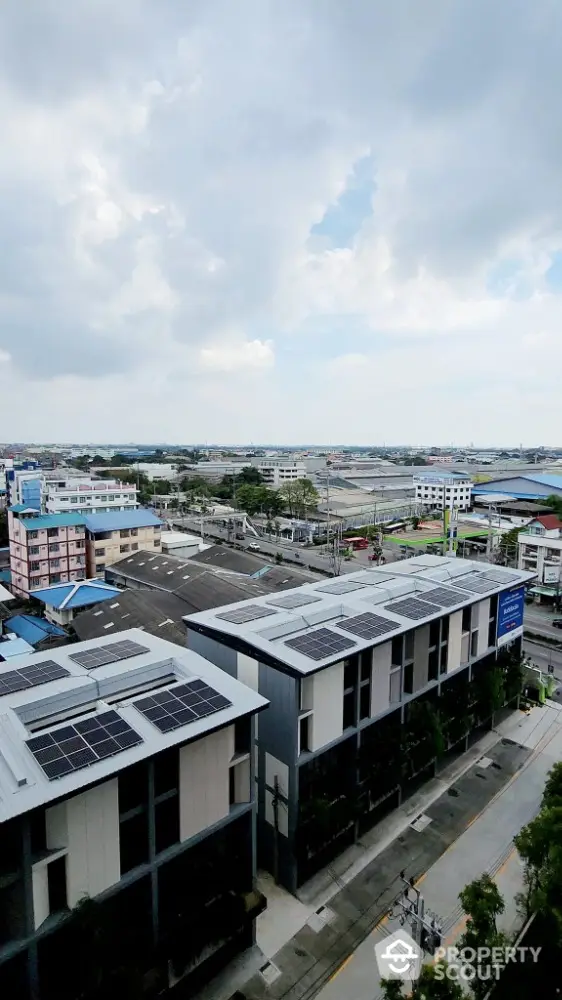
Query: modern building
{"x": 182, "y": 544}
{"x": 528, "y": 486}
{"x": 540, "y": 551}
{"x": 91, "y": 496}
{"x": 63, "y": 601}
{"x": 45, "y": 549}
{"x": 279, "y": 472}
{"x": 447, "y": 489}
{"x": 371, "y": 678}
{"x": 126, "y": 781}
{"x": 111, "y": 536}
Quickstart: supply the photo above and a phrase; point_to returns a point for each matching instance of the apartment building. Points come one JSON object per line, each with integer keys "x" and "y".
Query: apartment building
{"x": 126, "y": 781}
{"x": 372, "y": 679}
{"x": 45, "y": 549}
{"x": 90, "y": 496}
{"x": 278, "y": 472}
{"x": 540, "y": 551}
{"x": 110, "y": 537}
{"x": 450, "y": 489}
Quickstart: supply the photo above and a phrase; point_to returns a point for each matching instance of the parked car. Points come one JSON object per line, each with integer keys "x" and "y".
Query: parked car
{"x": 254, "y": 547}
{"x": 556, "y": 622}
{"x": 240, "y": 536}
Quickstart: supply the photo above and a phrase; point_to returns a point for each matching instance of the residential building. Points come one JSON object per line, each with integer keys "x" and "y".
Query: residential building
{"x": 111, "y": 536}
{"x": 63, "y": 601}
{"x": 279, "y": 472}
{"x": 371, "y": 678}
{"x": 448, "y": 489}
{"x": 179, "y": 543}
{"x": 154, "y": 471}
{"x": 114, "y": 790}
{"x": 93, "y": 496}
{"x": 45, "y": 549}
{"x": 527, "y": 486}
{"x": 540, "y": 551}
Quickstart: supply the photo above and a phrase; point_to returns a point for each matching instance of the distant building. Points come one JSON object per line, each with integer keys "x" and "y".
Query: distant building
{"x": 183, "y": 545}
{"x": 63, "y": 601}
{"x": 90, "y": 496}
{"x": 527, "y": 486}
{"x": 540, "y": 552}
{"x": 113, "y": 789}
{"x": 279, "y": 472}
{"x": 443, "y": 489}
{"x": 45, "y": 549}
{"x": 111, "y": 536}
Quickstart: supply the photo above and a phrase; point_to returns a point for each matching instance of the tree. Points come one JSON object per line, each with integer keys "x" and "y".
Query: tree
{"x": 540, "y": 847}
{"x": 507, "y": 549}
{"x": 555, "y": 502}
{"x": 415, "y": 522}
{"x": 482, "y": 902}
{"x": 432, "y": 984}
{"x": 391, "y": 989}
{"x": 250, "y": 475}
{"x": 300, "y": 496}
{"x": 552, "y": 794}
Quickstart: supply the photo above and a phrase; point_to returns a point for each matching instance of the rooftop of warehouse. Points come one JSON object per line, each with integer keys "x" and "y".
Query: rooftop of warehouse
{"x": 121, "y": 520}
{"x": 52, "y": 701}
{"x": 277, "y": 624}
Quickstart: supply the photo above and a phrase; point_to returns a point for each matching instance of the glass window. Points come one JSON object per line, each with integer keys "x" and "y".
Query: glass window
{"x": 349, "y": 710}
{"x": 349, "y": 674}
{"x": 466, "y": 619}
{"x": 133, "y": 788}
{"x": 444, "y": 628}
{"x": 133, "y": 841}
{"x": 409, "y": 645}
{"x": 366, "y": 660}
{"x": 443, "y": 660}
{"x": 433, "y": 665}
{"x": 397, "y": 649}
{"x": 166, "y": 772}
{"x": 409, "y": 678}
{"x": 474, "y": 643}
{"x": 434, "y": 633}
{"x": 52, "y": 532}
{"x": 123, "y": 548}
{"x": 365, "y": 701}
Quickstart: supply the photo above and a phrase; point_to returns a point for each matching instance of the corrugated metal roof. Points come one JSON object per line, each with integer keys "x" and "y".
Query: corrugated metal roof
{"x": 156, "y": 612}
{"x": 66, "y": 596}
{"x": 14, "y": 647}
{"x": 121, "y": 520}
{"x": 32, "y": 629}
{"x": 545, "y": 479}
{"x": 52, "y": 521}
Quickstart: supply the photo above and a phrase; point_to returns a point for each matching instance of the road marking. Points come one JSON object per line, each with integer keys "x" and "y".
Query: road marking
{"x": 344, "y": 964}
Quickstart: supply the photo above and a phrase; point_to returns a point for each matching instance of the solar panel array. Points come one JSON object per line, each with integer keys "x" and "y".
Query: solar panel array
{"x": 178, "y": 706}
{"x": 373, "y": 577}
{"x": 249, "y": 613}
{"x": 442, "y": 596}
{"x": 412, "y": 608}
{"x": 475, "y": 583}
{"x": 99, "y": 656}
{"x": 71, "y": 748}
{"x": 368, "y": 626}
{"x": 321, "y": 644}
{"x": 345, "y": 587}
{"x": 294, "y": 601}
{"x": 32, "y": 676}
{"x": 498, "y": 576}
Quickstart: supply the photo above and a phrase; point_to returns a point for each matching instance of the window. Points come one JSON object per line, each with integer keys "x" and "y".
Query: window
{"x": 100, "y": 567}
{"x": 52, "y": 532}
{"x": 242, "y": 735}
{"x": 100, "y": 552}
{"x": 123, "y": 548}
{"x": 409, "y": 678}
{"x": 134, "y": 546}
{"x": 474, "y": 643}
{"x": 35, "y": 581}
{"x": 33, "y": 534}
{"x": 124, "y": 533}
{"x": 55, "y": 563}
{"x": 133, "y": 841}
{"x": 134, "y": 531}
{"x": 397, "y": 649}
{"x": 365, "y": 661}
{"x": 54, "y": 578}
{"x": 434, "y": 633}
{"x": 445, "y": 628}
{"x": 304, "y": 735}
{"x": 54, "y": 547}
{"x": 56, "y": 882}
{"x": 350, "y": 709}
{"x": 34, "y": 567}
{"x": 74, "y": 499}
{"x": 157, "y": 543}
{"x": 349, "y": 674}
{"x": 409, "y": 645}
{"x": 466, "y": 619}
{"x": 33, "y": 550}
{"x": 167, "y": 822}
{"x": 433, "y": 665}
{"x": 365, "y": 701}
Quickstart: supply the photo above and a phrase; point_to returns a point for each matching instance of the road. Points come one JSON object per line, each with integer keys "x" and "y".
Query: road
{"x": 539, "y": 620}
{"x": 485, "y": 846}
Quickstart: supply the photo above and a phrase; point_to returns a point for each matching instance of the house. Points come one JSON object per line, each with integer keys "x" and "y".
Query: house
{"x": 45, "y": 548}
{"x": 539, "y": 550}
{"x": 111, "y": 536}
{"x": 370, "y": 678}
{"x": 126, "y": 779}
{"x": 63, "y": 601}
{"x": 34, "y": 630}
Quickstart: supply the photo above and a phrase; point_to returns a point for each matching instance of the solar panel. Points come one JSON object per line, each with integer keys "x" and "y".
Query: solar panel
{"x": 294, "y": 601}
{"x": 320, "y": 644}
{"x": 412, "y": 608}
{"x": 249, "y": 613}
{"x": 475, "y": 583}
{"x": 498, "y": 576}
{"x": 178, "y": 706}
{"x": 345, "y": 587}
{"x": 99, "y": 656}
{"x": 32, "y": 676}
{"x": 86, "y": 742}
{"x": 368, "y": 626}
{"x": 440, "y": 595}
{"x": 373, "y": 577}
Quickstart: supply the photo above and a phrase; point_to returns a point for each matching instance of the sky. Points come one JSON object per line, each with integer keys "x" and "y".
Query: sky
{"x": 307, "y": 221}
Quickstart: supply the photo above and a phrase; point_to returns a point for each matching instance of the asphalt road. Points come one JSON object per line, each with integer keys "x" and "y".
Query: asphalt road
{"x": 485, "y": 846}
{"x": 538, "y": 620}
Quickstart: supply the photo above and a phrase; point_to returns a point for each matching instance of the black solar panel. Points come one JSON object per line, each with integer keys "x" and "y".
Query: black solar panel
{"x": 85, "y": 742}
{"x": 249, "y": 613}
{"x": 344, "y": 587}
{"x": 294, "y": 601}
{"x": 32, "y": 676}
{"x": 99, "y": 656}
{"x": 368, "y": 626}
{"x": 178, "y": 706}
{"x": 475, "y": 583}
{"x": 321, "y": 644}
{"x": 499, "y": 576}
{"x": 412, "y": 608}
{"x": 440, "y": 595}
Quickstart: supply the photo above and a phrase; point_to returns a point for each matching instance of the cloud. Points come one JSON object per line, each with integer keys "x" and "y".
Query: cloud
{"x": 327, "y": 209}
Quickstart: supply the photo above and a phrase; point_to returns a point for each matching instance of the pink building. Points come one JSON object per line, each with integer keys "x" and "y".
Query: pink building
{"x": 45, "y": 548}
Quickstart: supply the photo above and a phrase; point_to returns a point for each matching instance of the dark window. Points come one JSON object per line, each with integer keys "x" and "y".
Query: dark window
{"x": 466, "y": 619}
{"x": 434, "y": 633}
{"x": 409, "y": 646}
{"x": 304, "y": 734}
{"x": 443, "y": 660}
{"x": 492, "y": 633}
{"x": 54, "y": 578}
{"x": 493, "y": 606}
{"x": 349, "y": 674}
{"x": 349, "y": 709}
{"x": 167, "y": 822}
{"x": 474, "y": 644}
{"x": 56, "y": 880}
{"x": 124, "y": 533}
{"x": 231, "y": 787}
{"x": 365, "y": 701}
{"x": 52, "y": 532}
{"x": 366, "y": 660}
{"x": 166, "y": 772}
{"x": 397, "y": 649}
{"x": 409, "y": 678}
{"x": 133, "y": 788}
{"x": 38, "y": 831}
{"x": 133, "y": 841}
{"x": 242, "y": 735}
{"x": 433, "y": 665}
{"x": 444, "y": 628}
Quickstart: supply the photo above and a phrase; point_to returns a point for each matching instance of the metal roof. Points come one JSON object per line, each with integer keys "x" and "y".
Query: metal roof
{"x": 33, "y": 629}
{"x": 121, "y": 520}
{"x": 52, "y": 521}
{"x": 6, "y": 595}
{"x": 544, "y": 479}
{"x": 375, "y": 590}
{"x": 10, "y": 648}
{"x": 155, "y": 611}
{"x": 84, "y": 693}
{"x": 66, "y": 596}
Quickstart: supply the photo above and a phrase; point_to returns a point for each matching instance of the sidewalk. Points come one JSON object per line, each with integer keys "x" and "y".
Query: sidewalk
{"x": 301, "y": 942}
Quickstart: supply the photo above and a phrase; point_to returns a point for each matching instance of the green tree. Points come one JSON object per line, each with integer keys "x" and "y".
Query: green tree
{"x": 507, "y": 548}
{"x": 433, "y": 984}
{"x": 555, "y": 502}
{"x": 391, "y": 989}
{"x": 482, "y": 902}
{"x": 300, "y": 496}
{"x": 540, "y": 847}
{"x": 252, "y": 499}
{"x": 552, "y": 794}
{"x": 250, "y": 475}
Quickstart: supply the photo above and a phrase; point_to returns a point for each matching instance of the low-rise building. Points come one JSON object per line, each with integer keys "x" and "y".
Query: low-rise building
{"x": 45, "y": 549}
{"x": 540, "y": 551}
{"x": 91, "y": 496}
{"x": 447, "y": 489}
{"x": 63, "y": 601}
{"x": 279, "y": 472}
{"x": 111, "y": 536}
{"x": 126, "y": 781}
{"x": 371, "y": 678}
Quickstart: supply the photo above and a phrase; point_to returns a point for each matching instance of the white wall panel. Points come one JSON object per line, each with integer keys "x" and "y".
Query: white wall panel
{"x": 204, "y": 782}
{"x": 380, "y": 678}
{"x": 40, "y": 894}
{"x": 248, "y": 671}
{"x": 327, "y": 721}
{"x": 93, "y": 841}
{"x": 483, "y": 619}
{"x": 454, "y": 646}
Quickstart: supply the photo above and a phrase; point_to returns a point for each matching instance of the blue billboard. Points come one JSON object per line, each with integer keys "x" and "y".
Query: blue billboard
{"x": 511, "y": 607}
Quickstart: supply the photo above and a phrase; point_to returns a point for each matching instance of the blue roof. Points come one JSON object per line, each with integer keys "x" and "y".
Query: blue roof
{"x": 545, "y": 479}
{"x": 5, "y": 576}
{"x": 15, "y": 647}
{"x": 19, "y": 508}
{"x": 121, "y": 519}
{"x": 51, "y": 521}
{"x": 66, "y": 596}
{"x": 32, "y": 629}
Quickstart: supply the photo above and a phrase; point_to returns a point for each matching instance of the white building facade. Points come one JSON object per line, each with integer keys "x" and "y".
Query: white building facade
{"x": 89, "y": 496}
{"x": 539, "y": 550}
{"x": 447, "y": 490}
{"x": 279, "y": 472}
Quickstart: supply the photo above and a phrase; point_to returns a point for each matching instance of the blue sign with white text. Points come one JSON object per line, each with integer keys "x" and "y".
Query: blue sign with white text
{"x": 511, "y": 607}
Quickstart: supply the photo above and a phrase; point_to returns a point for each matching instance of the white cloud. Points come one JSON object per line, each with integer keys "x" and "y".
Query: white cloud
{"x": 242, "y": 357}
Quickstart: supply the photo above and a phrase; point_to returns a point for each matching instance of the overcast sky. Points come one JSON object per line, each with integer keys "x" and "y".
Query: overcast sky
{"x": 299, "y": 221}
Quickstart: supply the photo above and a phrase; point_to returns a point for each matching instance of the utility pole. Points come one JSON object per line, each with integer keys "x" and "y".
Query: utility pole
{"x": 427, "y": 927}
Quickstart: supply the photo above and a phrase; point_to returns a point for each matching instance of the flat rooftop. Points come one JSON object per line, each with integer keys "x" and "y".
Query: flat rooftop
{"x": 320, "y": 623}
{"x": 79, "y": 714}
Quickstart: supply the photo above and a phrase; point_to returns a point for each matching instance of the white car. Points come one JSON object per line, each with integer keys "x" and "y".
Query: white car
{"x": 254, "y": 547}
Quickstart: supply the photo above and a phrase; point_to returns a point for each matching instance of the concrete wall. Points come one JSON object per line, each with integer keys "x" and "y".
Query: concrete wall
{"x": 248, "y": 671}
{"x": 380, "y": 678}
{"x": 327, "y": 704}
{"x": 204, "y": 782}
{"x": 421, "y": 654}
{"x": 454, "y": 644}
{"x": 222, "y": 656}
{"x": 93, "y": 841}
{"x": 481, "y": 618}
{"x": 115, "y": 547}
